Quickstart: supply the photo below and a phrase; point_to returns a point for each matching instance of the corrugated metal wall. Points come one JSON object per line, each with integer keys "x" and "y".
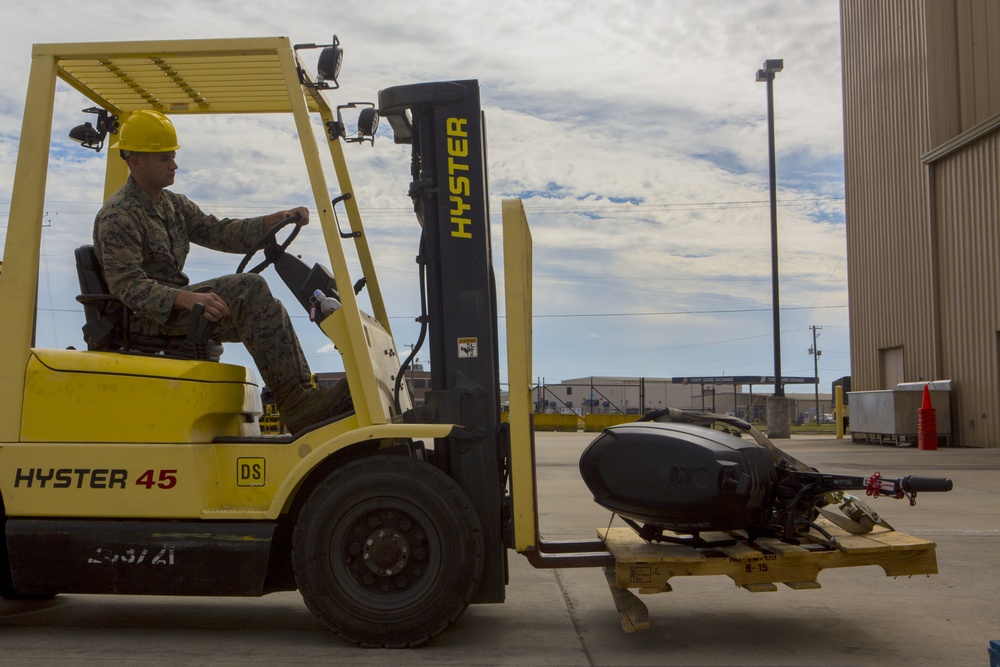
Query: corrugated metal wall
{"x": 966, "y": 217}
{"x": 977, "y": 41}
{"x": 921, "y": 82}
{"x": 885, "y": 132}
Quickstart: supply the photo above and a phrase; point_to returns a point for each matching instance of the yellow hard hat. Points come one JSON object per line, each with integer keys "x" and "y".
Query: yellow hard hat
{"x": 147, "y": 131}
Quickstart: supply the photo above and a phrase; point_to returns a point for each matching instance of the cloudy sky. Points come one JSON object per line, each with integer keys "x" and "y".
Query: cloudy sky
{"x": 634, "y": 132}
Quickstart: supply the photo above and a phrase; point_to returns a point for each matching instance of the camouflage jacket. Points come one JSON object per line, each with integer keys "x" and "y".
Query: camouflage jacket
{"x": 142, "y": 245}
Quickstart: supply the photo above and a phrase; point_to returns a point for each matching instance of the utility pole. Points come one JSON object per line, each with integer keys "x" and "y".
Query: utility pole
{"x": 814, "y": 351}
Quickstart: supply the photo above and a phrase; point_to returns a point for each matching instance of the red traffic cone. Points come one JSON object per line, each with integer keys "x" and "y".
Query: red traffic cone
{"x": 927, "y": 423}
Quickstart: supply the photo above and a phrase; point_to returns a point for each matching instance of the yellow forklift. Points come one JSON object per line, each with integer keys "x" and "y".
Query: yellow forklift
{"x": 139, "y": 467}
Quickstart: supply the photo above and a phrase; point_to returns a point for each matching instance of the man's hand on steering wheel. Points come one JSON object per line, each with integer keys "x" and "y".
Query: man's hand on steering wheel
{"x": 274, "y": 223}
{"x": 274, "y": 218}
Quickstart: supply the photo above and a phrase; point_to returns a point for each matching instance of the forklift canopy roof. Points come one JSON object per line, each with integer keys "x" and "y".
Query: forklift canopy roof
{"x": 216, "y": 76}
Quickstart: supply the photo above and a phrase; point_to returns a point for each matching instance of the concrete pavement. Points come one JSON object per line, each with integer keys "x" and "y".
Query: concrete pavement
{"x": 567, "y": 617}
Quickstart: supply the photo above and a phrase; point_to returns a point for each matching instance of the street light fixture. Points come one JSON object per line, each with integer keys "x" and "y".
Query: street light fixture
{"x": 766, "y": 74}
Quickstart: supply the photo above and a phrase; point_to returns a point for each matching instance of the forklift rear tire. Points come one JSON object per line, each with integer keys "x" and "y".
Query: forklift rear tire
{"x": 7, "y": 591}
{"x": 388, "y": 551}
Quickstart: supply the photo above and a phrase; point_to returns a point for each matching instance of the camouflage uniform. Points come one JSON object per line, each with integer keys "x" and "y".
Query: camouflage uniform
{"x": 142, "y": 245}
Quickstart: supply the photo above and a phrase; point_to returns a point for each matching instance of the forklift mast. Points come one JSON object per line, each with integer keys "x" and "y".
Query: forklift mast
{"x": 443, "y": 122}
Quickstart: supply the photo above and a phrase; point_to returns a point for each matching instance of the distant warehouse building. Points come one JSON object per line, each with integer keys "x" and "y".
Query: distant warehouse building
{"x": 738, "y": 396}
{"x": 922, "y": 174}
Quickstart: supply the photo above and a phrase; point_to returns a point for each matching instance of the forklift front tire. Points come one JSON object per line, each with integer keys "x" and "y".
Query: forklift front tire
{"x": 388, "y": 551}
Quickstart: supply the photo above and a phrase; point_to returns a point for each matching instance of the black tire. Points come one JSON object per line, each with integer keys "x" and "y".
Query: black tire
{"x": 388, "y": 551}
{"x": 7, "y": 591}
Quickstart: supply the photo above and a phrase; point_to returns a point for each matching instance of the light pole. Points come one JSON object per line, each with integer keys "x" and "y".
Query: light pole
{"x": 766, "y": 74}
{"x": 776, "y": 424}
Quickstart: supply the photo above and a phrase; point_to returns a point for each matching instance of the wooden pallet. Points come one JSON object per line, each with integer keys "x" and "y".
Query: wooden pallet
{"x": 755, "y": 566}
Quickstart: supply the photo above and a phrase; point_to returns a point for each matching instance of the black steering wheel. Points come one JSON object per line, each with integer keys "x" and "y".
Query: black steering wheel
{"x": 269, "y": 244}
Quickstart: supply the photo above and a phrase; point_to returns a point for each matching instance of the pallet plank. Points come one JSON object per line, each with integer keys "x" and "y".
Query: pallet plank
{"x": 759, "y": 588}
{"x": 717, "y": 538}
{"x": 860, "y": 544}
{"x": 776, "y": 546}
{"x": 897, "y": 540}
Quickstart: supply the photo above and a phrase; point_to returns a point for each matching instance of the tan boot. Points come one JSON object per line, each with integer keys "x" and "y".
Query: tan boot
{"x": 301, "y": 407}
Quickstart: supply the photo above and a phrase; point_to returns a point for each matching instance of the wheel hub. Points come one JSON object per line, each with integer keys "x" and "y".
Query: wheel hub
{"x": 386, "y": 552}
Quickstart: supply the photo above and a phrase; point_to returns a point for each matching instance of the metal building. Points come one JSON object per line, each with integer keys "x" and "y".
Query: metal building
{"x": 921, "y": 132}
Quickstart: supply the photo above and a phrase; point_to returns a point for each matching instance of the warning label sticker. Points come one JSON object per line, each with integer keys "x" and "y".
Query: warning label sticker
{"x": 468, "y": 348}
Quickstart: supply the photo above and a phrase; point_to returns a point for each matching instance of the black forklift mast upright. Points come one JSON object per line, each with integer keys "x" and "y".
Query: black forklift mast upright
{"x": 443, "y": 122}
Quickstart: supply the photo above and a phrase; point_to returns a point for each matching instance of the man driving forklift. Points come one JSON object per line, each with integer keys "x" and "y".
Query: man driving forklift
{"x": 142, "y": 236}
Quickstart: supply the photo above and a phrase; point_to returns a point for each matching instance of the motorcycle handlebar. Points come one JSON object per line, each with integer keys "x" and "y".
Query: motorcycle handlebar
{"x": 912, "y": 484}
{"x": 876, "y": 485}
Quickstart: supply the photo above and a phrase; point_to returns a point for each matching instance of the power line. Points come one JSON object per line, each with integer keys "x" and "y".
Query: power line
{"x": 721, "y": 311}
{"x": 623, "y": 207}
{"x": 688, "y": 206}
{"x": 684, "y": 312}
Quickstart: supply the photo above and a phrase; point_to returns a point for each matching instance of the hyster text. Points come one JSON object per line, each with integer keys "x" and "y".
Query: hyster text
{"x": 71, "y": 478}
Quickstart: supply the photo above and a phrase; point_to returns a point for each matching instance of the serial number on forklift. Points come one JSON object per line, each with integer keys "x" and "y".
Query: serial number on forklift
{"x": 91, "y": 478}
{"x": 136, "y": 556}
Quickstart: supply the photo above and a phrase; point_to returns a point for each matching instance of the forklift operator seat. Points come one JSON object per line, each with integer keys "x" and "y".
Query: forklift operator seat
{"x": 107, "y": 320}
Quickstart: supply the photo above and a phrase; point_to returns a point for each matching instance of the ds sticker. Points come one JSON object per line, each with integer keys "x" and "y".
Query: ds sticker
{"x": 250, "y": 471}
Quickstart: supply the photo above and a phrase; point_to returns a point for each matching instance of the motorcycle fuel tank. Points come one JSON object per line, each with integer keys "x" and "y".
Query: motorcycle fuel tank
{"x": 682, "y": 477}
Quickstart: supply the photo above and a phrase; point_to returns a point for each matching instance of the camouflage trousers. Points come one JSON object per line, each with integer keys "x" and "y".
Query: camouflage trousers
{"x": 256, "y": 319}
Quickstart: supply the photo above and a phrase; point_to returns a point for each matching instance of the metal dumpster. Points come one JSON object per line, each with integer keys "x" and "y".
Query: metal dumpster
{"x": 890, "y": 415}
